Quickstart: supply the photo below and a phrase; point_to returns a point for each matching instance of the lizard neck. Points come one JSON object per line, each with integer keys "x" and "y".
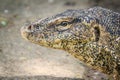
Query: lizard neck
{"x": 94, "y": 55}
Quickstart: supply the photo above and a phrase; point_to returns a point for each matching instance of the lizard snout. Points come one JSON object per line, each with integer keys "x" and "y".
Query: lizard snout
{"x": 26, "y": 30}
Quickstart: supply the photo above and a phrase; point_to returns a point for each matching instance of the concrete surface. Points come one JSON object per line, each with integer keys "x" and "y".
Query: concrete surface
{"x": 22, "y": 60}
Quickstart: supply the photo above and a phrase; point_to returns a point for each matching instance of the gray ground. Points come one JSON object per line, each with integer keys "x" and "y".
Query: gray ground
{"x": 22, "y": 60}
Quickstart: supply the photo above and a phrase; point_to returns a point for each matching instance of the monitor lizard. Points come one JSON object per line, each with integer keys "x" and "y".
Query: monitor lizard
{"x": 91, "y": 35}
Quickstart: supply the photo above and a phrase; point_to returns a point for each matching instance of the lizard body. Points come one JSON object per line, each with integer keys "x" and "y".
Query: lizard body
{"x": 90, "y": 35}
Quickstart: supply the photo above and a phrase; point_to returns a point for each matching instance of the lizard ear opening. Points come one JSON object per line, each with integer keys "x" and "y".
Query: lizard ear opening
{"x": 97, "y": 33}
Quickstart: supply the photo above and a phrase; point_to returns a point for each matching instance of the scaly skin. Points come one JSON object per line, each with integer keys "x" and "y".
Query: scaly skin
{"x": 90, "y": 35}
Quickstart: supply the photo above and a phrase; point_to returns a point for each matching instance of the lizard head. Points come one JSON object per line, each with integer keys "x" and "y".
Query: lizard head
{"x": 60, "y": 31}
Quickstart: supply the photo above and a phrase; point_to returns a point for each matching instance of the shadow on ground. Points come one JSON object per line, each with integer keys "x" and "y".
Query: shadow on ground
{"x": 37, "y": 78}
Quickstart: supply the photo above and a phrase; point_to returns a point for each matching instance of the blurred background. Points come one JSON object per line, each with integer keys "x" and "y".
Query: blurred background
{"x": 20, "y": 59}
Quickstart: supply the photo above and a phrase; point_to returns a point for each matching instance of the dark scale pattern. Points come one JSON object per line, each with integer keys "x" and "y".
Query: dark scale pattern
{"x": 90, "y": 35}
{"x": 110, "y": 20}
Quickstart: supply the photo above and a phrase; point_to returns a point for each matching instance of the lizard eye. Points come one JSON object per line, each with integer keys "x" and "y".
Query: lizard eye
{"x": 64, "y": 23}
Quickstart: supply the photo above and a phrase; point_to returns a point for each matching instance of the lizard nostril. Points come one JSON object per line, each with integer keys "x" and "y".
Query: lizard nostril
{"x": 29, "y": 27}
